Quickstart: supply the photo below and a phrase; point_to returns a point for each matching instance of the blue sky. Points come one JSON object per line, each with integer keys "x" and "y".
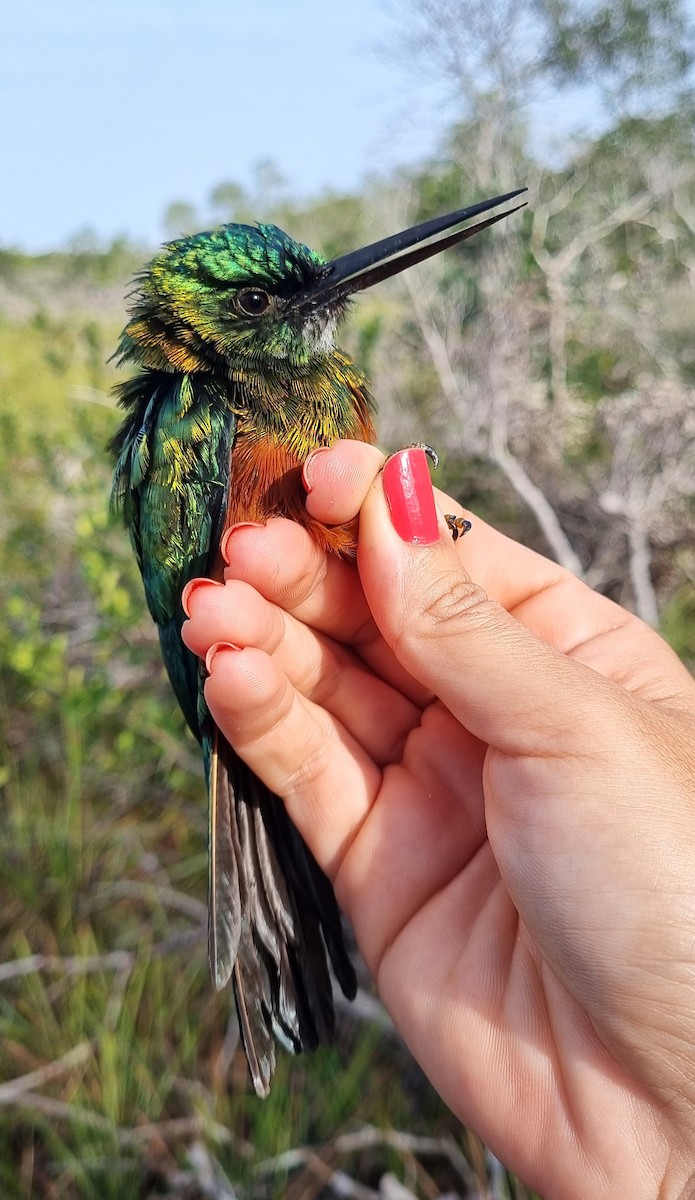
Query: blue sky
{"x": 115, "y": 109}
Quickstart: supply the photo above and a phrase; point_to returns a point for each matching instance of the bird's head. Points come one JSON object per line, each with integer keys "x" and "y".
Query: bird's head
{"x": 250, "y": 297}
{"x": 223, "y": 297}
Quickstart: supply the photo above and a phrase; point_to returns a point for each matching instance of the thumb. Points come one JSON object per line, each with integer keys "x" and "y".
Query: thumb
{"x": 498, "y": 679}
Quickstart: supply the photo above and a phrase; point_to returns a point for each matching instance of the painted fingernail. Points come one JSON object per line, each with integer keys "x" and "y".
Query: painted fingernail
{"x": 225, "y": 544}
{"x": 192, "y": 586}
{"x": 410, "y": 497}
{"x": 308, "y": 464}
{"x": 214, "y": 650}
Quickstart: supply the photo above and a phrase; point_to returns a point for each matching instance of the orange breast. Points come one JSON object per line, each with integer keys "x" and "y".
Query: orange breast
{"x": 266, "y": 482}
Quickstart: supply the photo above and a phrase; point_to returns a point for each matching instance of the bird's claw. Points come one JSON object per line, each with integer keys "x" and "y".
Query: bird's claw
{"x": 429, "y": 451}
{"x": 457, "y": 525}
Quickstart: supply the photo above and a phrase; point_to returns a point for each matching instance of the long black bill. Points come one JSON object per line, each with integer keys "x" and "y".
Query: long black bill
{"x": 361, "y": 268}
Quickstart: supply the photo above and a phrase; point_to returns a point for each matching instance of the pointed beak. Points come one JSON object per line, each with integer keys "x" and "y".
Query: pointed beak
{"x": 361, "y": 268}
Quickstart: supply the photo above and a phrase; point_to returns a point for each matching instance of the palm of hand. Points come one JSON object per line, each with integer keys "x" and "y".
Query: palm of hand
{"x": 491, "y": 884}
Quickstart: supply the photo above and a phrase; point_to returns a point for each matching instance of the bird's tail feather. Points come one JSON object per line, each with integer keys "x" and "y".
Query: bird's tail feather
{"x": 273, "y": 919}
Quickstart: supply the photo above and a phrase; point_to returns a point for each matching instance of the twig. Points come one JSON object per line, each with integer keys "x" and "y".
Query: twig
{"x": 369, "y": 1137}
{"x": 11, "y": 1091}
{"x": 339, "y": 1182}
{"x": 391, "y": 1188}
{"x": 498, "y": 1176}
{"x": 30, "y": 964}
{"x": 113, "y": 960}
{"x": 59, "y": 1110}
{"x": 151, "y": 893}
{"x": 498, "y": 448}
{"x": 82, "y": 392}
{"x": 460, "y": 1164}
{"x": 208, "y": 1174}
{"x": 643, "y": 590}
{"x": 536, "y": 500}
{"x": 366, "y": 1008}
{"x": 178, "y": 1127}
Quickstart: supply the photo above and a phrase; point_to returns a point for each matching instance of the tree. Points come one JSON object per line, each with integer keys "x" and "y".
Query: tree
{"x": 180, "y": 218}
{"x": 564, "y": 315}
{"x": 638, "y": 52}
{"x": 229, "y": 201}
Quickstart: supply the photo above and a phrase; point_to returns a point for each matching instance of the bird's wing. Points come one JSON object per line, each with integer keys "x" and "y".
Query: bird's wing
{"x": 273, "y": 917}
{"x": 171, "y": 481}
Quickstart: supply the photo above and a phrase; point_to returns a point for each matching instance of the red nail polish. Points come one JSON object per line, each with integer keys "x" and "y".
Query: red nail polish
{"x": 215, "y": 649}
{"x": 227, "y": 537}
{"x": 408, "y": 490}
{"x": 308, "y": 462}
{"x": 191, "y": 586}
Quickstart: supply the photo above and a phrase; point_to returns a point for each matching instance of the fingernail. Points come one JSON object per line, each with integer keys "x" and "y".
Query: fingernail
{"x": 210, "y": 656}
{"x": 227, "y": 537}
{"x": 410, "y": 497}
{"x": 190, "y": 588}
{"x": 308, "y": 464}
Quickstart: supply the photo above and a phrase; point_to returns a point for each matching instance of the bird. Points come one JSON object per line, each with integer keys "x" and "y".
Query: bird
{"x": 238, "y": 377}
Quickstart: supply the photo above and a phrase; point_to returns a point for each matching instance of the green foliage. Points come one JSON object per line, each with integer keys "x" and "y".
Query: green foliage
{"x": 103, "y": 873}
{"x": 180, "y": 219}
{"x": 678, "y": 623}
{"x": 635, "y": 47}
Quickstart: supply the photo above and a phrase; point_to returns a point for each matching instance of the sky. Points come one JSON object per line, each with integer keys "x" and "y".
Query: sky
{"x": 118, "y": 109}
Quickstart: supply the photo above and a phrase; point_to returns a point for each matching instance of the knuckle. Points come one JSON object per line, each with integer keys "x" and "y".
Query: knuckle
{"x": 448, "y": 604}
{"x": 303, "y": 775}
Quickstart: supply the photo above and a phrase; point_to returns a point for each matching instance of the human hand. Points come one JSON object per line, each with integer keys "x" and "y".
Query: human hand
{"x": 498, "y": 777}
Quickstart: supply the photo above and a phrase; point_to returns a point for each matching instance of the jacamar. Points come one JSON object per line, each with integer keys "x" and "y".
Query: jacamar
{"x": 240, "y": 378}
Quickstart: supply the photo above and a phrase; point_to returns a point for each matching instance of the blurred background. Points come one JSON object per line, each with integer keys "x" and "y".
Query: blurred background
{"x": 551, "y": 362}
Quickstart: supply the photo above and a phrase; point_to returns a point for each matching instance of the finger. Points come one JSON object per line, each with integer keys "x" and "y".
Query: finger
{"x": 577, "y": 768}
{"x": 548, "y": 599}
{"x": 566, "y": 614}
{"x": 282, "y": 562}
{"x": 288, "y": 567}
{"x": 322, "y": 670}
{"x": 295, "y": 747}
{"x": 505, "y": 685}
{"x": 340, "y": 477}
{"x": 426, "y": 825}
{"x": 422, "y": 821}
{"x": 337, "y": 479}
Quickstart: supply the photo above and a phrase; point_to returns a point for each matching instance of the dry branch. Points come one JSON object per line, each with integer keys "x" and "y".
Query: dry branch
{"x": 15, "y": 1089}
{"x": 368, "y": 1138}
{"x": 113, "y": 960}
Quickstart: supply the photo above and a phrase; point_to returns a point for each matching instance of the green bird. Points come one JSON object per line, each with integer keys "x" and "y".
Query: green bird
{"x": 239, "y": 379}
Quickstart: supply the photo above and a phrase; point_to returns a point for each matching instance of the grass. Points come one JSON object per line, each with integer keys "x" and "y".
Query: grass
{"x": 119, "y": 1073}
{"x": 119, "y": 1076}
{"x": 113, "y": 1046}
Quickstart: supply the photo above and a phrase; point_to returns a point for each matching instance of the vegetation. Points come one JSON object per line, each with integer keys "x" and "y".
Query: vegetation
{"x": 552, "y": 363}
{"x": 114, "y": 1051}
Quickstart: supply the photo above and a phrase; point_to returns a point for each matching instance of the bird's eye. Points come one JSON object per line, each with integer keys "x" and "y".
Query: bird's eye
{"x": 253, "y": 302}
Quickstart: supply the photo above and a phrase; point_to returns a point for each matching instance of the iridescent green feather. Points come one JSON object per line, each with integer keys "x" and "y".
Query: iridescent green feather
{"x": 171, "y": 481}
{"x": 205, "y": 369}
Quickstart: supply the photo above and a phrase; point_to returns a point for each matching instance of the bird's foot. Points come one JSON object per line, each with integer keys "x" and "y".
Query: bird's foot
{"x": 457, "y": 525}
{"x": 429, "y": 451}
